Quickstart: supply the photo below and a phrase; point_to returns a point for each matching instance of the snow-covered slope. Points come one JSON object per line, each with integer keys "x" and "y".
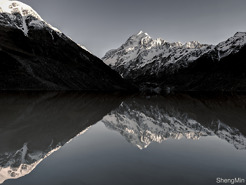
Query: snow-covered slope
{"x": 140, "y": 53}
{"x": 231, "y": 45}
{"x": 142, "y": 56}
{"x": 22, "y": 16}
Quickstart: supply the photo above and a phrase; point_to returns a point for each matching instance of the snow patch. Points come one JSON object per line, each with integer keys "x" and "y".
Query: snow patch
{"x": 12, "y": 8}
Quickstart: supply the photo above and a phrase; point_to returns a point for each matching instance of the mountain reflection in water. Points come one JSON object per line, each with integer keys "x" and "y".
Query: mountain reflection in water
{"x": 142, "y": 121}
{"x": 33, "y": 126}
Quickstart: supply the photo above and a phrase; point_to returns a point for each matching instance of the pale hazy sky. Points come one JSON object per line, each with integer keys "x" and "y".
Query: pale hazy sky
{"x": 101, "y": 25}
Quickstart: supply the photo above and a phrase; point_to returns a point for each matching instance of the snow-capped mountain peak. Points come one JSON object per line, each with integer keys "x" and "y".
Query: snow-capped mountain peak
{"x": 21, "y": 16}
{"x": 142, "y": 56}
{"x": 136, "y": 39}
{"x": 141, "y": 34}
{"x": 231, "y": 45}
{"x": 193, "y": 44}
{"x": 140, "y": 50}
{"x": 11, "y": 7}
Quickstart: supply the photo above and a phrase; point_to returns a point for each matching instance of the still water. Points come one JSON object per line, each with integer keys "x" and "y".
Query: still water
{"x": 91, "y": 139}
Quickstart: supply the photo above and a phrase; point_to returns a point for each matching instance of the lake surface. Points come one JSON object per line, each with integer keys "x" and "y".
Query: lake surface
{"x": 91, "y": 139}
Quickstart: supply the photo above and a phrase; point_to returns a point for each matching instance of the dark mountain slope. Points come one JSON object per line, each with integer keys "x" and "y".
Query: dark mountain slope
{"x": 36, "y": 56}
{"x": 209, "y": 74}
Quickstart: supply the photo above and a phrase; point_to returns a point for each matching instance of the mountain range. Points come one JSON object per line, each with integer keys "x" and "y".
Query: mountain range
{"x": 159, "y": 65}
{"x": 36, "y": 56}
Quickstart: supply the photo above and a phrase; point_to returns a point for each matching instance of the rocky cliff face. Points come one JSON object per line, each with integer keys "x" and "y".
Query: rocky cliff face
{"x": 36, "y": 56}
{"x": 181, "y": 67}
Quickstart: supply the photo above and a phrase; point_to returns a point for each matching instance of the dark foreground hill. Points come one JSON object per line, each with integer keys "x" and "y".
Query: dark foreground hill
{"x": 36, "y": 56}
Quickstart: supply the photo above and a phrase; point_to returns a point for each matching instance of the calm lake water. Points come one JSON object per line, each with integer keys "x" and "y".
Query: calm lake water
{"x": 91, "y": 139}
